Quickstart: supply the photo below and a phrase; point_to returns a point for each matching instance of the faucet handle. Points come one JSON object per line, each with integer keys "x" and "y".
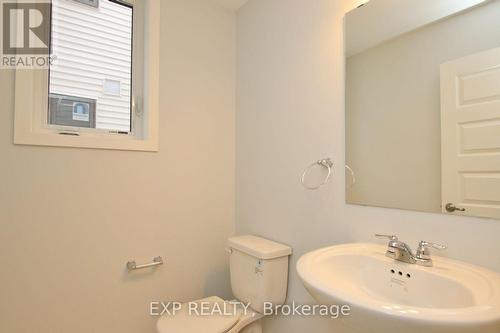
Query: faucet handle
{"x": 389, "y": 237}
{"x": 433, "y": 245}
{"x": 423, "y": 249}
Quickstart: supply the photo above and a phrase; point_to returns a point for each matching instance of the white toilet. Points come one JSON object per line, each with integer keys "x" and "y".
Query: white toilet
{"x": 259, "y": 275}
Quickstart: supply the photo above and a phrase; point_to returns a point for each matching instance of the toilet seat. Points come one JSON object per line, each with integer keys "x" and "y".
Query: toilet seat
{"x": 186, "y": 322}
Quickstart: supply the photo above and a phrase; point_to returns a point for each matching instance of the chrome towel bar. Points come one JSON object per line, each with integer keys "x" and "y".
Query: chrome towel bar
{"x": 132, "y": 265}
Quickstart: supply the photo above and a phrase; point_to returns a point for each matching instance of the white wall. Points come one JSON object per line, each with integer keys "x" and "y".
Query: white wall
{"x": 290, "y": 112}
{"x": 69, "y": 221}
{"x": 363, "y": 30}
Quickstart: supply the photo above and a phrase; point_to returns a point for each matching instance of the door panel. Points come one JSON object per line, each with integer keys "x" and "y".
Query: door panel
{"x": 480, "y": 87}
{"x": 480, "y": 136}
{"x": 470, "y": 126}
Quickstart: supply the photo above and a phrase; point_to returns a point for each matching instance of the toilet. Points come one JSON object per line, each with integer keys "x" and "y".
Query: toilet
{"x": 259, "y": 275}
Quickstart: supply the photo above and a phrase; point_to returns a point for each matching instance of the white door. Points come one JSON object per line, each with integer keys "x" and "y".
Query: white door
{"x": 470, "y": 131}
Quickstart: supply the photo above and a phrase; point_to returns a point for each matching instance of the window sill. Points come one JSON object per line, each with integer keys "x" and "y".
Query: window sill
{"x": 89, "y": 141}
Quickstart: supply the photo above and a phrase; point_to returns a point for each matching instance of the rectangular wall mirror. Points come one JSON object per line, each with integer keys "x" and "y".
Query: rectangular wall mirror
{"x": 423, "y": 106}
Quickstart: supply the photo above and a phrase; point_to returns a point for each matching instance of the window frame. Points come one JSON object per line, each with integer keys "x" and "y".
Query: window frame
{"x": 32, "y": 93}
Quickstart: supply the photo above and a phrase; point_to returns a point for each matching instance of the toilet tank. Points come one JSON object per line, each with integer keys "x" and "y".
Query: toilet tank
{"x": 259, "y": 271}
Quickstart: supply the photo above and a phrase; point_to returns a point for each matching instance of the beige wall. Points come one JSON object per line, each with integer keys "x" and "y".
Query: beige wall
{"x": 394, "y": 112}
{"x": 71, "y": 218}
{"x": 290, "y": 112}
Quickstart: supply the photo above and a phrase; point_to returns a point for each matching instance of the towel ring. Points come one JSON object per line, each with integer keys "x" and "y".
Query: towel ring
{"x": 353, "y": 175}
{"x": 326, "y": 163}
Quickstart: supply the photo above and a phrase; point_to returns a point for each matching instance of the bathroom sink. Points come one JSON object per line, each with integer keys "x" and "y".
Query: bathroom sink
{"x": 391, "y": 296}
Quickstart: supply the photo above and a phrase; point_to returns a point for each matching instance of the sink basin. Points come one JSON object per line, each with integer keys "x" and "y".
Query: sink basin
{"x": 391, "y": 296}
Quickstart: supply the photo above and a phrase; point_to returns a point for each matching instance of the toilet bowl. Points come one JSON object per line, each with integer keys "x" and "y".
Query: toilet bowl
{"x": 242, "y": 320}
{"x": 259, "y": 278}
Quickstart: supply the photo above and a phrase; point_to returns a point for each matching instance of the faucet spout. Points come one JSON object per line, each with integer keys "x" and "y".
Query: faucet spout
{"x": 400, "y": 251}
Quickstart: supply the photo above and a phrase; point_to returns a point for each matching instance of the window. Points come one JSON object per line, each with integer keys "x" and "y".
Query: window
{"x": 94, "y": 59}
{"x": 101, "y": 91}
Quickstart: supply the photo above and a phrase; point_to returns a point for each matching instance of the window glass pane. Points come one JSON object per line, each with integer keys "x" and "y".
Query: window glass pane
{"x": 91, "y": 80}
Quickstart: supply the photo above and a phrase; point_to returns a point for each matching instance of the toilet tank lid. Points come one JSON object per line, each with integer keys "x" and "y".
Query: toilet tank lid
{"x": 258, "y": 247}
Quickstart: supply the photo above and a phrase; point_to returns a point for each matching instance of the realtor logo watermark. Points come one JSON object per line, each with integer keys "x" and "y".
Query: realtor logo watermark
{"x": 26, "y": 34}
{"x": 233, "y": 307}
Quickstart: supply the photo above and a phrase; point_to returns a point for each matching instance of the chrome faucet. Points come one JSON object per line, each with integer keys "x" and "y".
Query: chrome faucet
{"x": 400, "y": 251}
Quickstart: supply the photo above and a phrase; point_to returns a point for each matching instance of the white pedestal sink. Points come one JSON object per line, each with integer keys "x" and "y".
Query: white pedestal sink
{"x": 391, "y": 296}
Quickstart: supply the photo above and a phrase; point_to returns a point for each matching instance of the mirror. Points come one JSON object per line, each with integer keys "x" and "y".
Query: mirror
{"x": 423, "y": 106}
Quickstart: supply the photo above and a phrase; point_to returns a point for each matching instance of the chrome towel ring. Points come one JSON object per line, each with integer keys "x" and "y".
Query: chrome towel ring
{"x": 353, "y": 175}
{"x": 325, "y": 163}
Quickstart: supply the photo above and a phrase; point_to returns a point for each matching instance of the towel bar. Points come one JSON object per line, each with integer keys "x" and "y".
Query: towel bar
{"x": 132, "y": 265}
